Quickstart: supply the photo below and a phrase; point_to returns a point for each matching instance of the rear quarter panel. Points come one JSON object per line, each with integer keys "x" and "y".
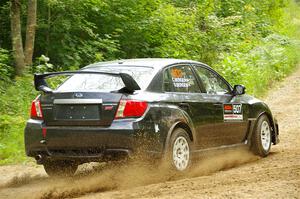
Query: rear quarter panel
{"x": 161, "y": 118}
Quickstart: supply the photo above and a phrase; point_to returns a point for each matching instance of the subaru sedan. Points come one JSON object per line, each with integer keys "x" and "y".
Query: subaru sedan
{"x": 168, "y": 109}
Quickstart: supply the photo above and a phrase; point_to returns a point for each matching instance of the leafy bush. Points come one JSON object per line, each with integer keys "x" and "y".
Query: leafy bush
{"x": 261, "y": 66}
{"x": 6, "y": 71}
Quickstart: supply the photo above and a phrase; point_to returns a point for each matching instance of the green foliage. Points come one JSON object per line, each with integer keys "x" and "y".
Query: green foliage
{"x": 6, "y": 71}
{"x": 69, "y": 35}
{"x": 43, "y": 65}
{"x": 261, "y": 66}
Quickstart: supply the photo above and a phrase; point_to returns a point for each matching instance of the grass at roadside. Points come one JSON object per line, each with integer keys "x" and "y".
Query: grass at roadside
{"x": 14, "y": 109}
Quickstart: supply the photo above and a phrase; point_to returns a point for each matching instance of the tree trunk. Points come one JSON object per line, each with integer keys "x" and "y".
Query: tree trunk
{"x": 30, "y": 31}
{"x": 16, "y": 35}
{"x": 48, "y": 31}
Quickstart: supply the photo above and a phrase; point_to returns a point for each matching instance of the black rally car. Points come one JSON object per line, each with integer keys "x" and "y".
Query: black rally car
{"x": 162, "y": 107}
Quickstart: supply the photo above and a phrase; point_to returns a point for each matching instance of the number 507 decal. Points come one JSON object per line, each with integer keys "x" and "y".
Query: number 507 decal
{"x": 233, "y": 112}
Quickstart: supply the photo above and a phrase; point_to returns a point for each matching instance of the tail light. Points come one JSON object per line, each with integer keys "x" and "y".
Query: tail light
{"x": 131, "y": 108}
{"x": 36, "y": 110}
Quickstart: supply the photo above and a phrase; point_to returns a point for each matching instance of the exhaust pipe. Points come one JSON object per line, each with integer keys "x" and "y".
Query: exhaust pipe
{"x": 38, "y": 159}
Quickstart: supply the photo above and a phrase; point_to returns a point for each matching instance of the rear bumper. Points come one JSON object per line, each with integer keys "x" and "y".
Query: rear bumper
{"x": 87, "y": 143}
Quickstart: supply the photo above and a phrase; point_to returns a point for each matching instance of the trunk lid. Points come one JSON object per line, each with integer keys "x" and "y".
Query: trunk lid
{"x": 79, "y": 108}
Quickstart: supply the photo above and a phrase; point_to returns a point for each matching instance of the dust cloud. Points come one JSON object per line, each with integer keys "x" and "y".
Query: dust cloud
{"x": 21, "y": 180}
{"x": 140, "y": 173}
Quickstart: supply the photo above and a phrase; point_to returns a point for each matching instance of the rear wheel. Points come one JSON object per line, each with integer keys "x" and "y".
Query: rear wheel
{"x": 180, "y": 150}
{"x": 262, "y": 137}
{"x": 60, "y": 168}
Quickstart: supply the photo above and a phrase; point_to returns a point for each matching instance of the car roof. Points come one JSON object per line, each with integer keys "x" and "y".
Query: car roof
{"x": 156, "y": 63}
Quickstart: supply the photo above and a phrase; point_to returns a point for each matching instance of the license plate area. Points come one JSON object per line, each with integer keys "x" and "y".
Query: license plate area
{"x": 77, "y": 112}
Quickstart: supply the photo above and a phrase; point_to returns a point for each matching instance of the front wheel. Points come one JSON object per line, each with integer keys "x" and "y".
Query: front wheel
{"x": 60, "y": 168}
{"x": 262, "y": 137}
{"x": 180, "y": 150}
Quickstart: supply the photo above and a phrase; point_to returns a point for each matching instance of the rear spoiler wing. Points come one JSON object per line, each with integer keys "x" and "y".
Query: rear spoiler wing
{"x": 41, "y": 85}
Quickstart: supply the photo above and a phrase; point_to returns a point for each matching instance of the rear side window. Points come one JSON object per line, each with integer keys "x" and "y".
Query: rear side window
{"x": 181, "y": 79}
{"x": 107, "y": 83}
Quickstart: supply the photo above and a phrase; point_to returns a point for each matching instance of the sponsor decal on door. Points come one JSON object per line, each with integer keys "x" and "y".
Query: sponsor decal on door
{"x": 233, "y": 112}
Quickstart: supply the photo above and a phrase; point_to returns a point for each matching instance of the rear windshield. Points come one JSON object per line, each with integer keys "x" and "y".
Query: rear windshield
{"x": 108, "y": 83}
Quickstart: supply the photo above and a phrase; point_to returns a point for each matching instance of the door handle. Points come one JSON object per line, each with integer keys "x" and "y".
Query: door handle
{"x": 184, "y": 105}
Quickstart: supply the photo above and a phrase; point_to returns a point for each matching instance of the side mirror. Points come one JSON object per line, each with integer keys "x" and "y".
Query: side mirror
{"x": 239, "y": 90}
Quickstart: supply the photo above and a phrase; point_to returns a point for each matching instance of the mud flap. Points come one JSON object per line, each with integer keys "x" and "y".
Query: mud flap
{"x": 251, "y": 129}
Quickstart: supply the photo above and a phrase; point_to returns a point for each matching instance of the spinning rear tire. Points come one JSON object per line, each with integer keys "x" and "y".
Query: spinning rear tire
{"x": 180, "y": 150}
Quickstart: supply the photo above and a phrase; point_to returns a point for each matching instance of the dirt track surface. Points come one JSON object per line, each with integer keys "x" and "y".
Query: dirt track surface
{"x": 234, "y": 173}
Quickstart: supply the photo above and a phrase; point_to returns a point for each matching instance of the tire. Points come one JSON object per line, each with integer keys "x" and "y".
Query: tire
{"x": 262, "y": 137}
{"x": 60, "y": 168}
{"x": 179, "y": 152}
